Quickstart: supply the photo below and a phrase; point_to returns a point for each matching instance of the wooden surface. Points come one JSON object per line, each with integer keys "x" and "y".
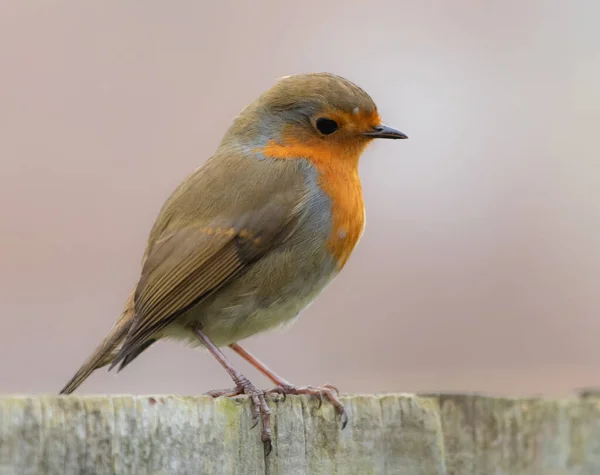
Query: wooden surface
{"x": 391, "y": 434}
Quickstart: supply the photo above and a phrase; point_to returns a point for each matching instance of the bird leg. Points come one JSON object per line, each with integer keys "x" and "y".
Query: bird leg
{"x": 328, "y": 391}
{"x": 260, "y": 408}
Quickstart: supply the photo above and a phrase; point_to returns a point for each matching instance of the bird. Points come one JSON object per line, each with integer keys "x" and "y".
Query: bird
{"x": 255, "y": 234}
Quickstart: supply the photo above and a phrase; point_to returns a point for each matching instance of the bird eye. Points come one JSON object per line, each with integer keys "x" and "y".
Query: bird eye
{"x": 326, "y": 126}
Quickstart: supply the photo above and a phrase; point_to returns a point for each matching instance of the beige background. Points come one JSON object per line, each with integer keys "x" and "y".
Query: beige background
{"x": 480, "y": 264}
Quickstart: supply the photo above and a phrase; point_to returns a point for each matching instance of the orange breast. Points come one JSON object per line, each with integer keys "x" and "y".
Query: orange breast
{"x": 338, "y": 178}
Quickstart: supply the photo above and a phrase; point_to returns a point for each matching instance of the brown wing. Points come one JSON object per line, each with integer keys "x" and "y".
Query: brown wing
{"x": 187, "y": 265}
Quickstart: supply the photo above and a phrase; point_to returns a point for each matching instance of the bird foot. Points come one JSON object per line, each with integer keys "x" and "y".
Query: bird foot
{"x": 326, "y": 391}
{"x": 260, "y": 408}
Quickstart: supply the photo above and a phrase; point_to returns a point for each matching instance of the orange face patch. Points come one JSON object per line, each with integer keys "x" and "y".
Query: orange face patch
{"x": 337, "y": 164}
{"x": 356, "y": 121}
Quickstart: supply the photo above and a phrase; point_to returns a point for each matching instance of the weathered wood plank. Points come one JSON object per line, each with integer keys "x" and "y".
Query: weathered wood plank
{"x": 389, "y": 434}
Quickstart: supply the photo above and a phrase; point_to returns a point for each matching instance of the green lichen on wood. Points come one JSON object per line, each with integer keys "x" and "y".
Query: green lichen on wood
{"x": 388, "y": 434}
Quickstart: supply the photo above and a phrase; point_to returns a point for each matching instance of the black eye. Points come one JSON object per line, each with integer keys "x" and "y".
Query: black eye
{"x": 326, "y": 126}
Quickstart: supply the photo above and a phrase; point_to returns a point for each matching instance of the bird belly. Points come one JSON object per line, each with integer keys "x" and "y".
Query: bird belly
{"x": 271, "y": 294}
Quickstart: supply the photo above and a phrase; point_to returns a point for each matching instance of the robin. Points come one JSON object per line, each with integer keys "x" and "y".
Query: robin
{"x": 254, "y": 235}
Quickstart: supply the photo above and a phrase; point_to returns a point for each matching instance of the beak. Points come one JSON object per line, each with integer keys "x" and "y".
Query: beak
{"x": 385, "y": 132}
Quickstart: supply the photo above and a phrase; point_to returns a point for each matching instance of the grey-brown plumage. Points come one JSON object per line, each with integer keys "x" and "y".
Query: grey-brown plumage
{"x": 251, "y": 238}
{"x": 189, "y": 258}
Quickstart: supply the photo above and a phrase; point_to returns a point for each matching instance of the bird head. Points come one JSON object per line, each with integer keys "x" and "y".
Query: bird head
{"x": 311, "y": 114}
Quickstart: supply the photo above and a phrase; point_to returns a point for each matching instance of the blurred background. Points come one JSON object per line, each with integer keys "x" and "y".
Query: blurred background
{"x": 479, "y": 269}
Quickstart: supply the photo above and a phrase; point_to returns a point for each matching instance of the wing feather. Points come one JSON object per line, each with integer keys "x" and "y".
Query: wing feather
{"x": 186, "y": 266}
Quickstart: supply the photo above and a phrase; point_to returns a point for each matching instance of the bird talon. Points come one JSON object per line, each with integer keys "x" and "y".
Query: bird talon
{"x": 332, "y": 388}
{"x": 320, "y": 396}
{"x": 215, "y": 393}
{"x": 344, "y": 420}
{"x": 268, "y": 447}
{"x": 260, "y": 408}
{"x": 328, "y": 391}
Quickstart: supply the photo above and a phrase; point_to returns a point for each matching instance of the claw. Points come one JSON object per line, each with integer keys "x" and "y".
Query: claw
{"x": 330, "y": 392}
{"x": 344, "y": 420}
{"x": 320, "y": 396}
{"x": 223, "y": 393}
{"x": 333, "y": 388}
{"x": 260, "y": 409}
{"x": 268, "y": 445}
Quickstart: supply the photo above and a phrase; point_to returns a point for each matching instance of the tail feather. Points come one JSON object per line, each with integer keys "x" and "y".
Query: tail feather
{"x": 132, "y": 354}
{"x": 105, "y": 353}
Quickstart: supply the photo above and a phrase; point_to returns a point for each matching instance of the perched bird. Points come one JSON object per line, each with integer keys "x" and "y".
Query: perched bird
{"x": 254, "y": 235}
